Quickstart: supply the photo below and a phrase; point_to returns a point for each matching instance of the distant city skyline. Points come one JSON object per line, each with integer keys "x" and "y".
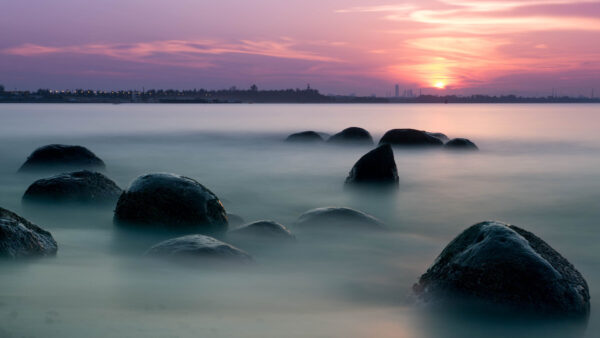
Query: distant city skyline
{"x": 521, "y": 47}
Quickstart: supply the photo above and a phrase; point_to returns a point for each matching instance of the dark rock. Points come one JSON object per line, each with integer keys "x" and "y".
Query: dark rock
{"x": 20, "y": 238}
{"x": 79, "y": 186}
{"x": 60, "y": 156}
{"x": 198, "y": 247}
{"x": 376, "y": 167}
{"x": 440, "y": 136}
{"x": 173, "y": 202}
{"x": 410, "y": 138}
{"x": 337, "y": 218}
{"x": 352, "y": 135}
{"x": 264, "y": 229}
{"x": 234, "y": 220}
{"x": 305, "y": 136}
{"x": 506, "y": 267}
{"x": 460, "y": 144}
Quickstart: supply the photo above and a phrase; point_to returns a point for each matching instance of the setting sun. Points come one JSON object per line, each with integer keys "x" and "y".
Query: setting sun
{"x": 440, "y": 85}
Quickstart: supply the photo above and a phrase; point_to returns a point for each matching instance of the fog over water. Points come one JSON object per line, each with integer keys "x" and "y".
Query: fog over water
{"x": 538, "y": 168}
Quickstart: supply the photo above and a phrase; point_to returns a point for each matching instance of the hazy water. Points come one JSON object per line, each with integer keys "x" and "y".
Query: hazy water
{"x": 538, "y": 168}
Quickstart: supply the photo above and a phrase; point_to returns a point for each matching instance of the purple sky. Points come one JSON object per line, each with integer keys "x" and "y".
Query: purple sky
{"x": 463, "y": 46}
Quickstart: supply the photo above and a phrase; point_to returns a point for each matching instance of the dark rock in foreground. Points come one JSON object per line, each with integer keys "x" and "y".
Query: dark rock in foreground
{"x": 505, "y": 266}
{"x": 352, "y": 135}
{"x": 305, "y": 136}
{"x": 79, "y": 186}
{"x": 410, "y": 138}
{"x": 376, "y": 167}
{"x": 198, "y": 247}
{"x": 173, "y": 202}
{"x": 440, "y": 136}
{"x": 338, "y": 218}
{"x": 460, "y": 144}
{"x": 60, "y": 156}
{"x": 20, "y": 238}
{"x": 264, "y": 229}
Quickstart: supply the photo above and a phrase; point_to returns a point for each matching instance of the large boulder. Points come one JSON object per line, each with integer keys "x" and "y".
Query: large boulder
{"x": 376, "y": 167}
{"x": 79, "y": 186}
{"x": 173, "y": 202}
{"x": 198, "y": 247}
{"x": 334, "y": 218}
{"x": 507, "y": 268}
{"x": 60, "y": 156}
{"x": 305, "y": 137}
{"x": 410, "y": 138}
{"x": 460, "y": 144}
{"x": 20, "y": 238}
{"x": 352, "y": 135}
{"x": 264, "y": 230}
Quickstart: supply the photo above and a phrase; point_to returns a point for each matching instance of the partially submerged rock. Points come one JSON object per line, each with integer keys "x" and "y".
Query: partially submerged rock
{"x": 173, "y": 202}
{"x": 507, "y": 267}
{"x": 376, "y": 167}
{"x": 264, "y": 230}
{"x": 352, "y": 135}
{"x": 410, "y": 138}
{"x": 20, "y": 238}
{"x": 460, "y": 144}
{"x": 60, "y": 156}
{"x": 338, "y": 218}
{"x": 198, "y": 247}
{"x": 305, "y": 137}
{"x": 79, "y": 186}
{"x": 440, "y": 136}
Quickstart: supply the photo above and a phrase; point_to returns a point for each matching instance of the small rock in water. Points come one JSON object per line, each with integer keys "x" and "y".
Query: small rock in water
{"x": 338, "y": 218}
{"x": 198, "y": 247}
{"x": 264, "y": 229}
{"x": 20, "y": 238}
{"x": 79, "y": 186}
{"x": 172, "y": 202}
{"x": 60, "y": 156}
{"x": 352, "y": 135}
{"x": 376, "y": 167}
{"x": 506, "y": 268}
{"x": 460, "y": 144}
{"x": 440, "y": 136}
{"x": 305, "y": 136}
{"x": 410, "y": 138}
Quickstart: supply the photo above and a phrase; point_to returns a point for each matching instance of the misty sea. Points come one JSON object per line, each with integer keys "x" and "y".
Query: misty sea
{"x": 538, "y": 168}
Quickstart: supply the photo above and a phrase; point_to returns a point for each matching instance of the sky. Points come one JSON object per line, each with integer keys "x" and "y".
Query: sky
{"x": 523, "y": 47}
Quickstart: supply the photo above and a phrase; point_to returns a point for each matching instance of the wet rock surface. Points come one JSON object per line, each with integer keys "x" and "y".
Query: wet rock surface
{"x": 171, "y": 201}
{"x": 264, "y": 230}
{"x": 305, "y": 137}
{"x": 198, "y": 247}
{"x": 60, "y": 156}
{"x": 20, "y": 238}
{"x": 504, "y": 266}
{"x": 410, "y": 138}
{"x": 440, "y": 136}
{"x": 336, "y": 218}
{"x": 377, "y": 167}
{"x": 352, "y": 135}
{"x": 79, "y": 186}
{"x": 460, "y": 144}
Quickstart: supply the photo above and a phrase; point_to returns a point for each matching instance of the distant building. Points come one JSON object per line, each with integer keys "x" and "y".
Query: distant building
{"x": 397, "y": 93}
